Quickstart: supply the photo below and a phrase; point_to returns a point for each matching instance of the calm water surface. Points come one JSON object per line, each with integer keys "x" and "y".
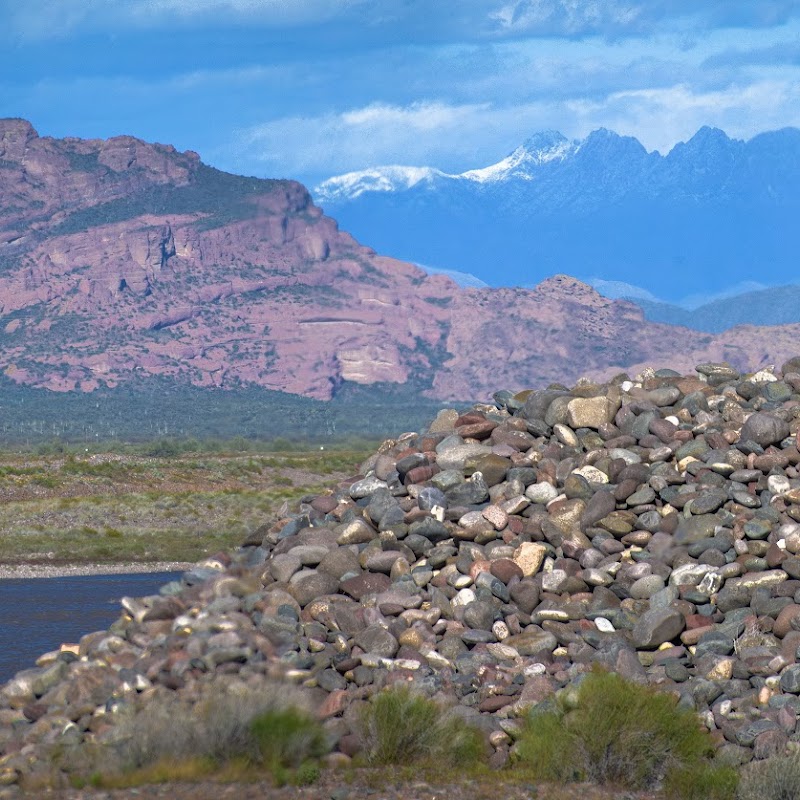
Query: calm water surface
{"x": 38, "y": 615}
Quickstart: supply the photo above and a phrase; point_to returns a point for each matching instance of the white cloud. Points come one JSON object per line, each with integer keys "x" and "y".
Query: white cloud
{"x": 36, "y": 19}
{"x": 567, "y": 17}
{"x": 375, "y": 134}
{"x": 616, "y": 18}
{"x": 661, "y": 117}
{"x": 270, "y": 11}
{"x": 407, "y": 21}
{"x": 458, "y": 137}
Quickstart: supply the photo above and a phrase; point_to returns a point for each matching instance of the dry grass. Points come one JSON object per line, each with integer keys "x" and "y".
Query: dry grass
{"x": 235, "y": 733}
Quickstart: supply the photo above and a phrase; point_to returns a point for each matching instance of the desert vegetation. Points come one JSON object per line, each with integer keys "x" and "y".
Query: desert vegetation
{"x": 164, "y": 500}
{"x": 607, "y": 737}
{"x": 623, "y": 734}
{"x": 232, "y": 732}
{"x": 402, "y": 728}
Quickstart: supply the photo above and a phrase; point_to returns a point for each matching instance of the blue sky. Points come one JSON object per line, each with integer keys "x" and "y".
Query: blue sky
{"x": 311, "y": 88}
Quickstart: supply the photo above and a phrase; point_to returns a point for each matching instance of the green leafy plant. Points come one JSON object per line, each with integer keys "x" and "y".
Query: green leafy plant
{"x": 401, "y": 727}
{"x": 288, "y": 738}
{"x": 702, "y": 781}
{"x": 611, "y": 731}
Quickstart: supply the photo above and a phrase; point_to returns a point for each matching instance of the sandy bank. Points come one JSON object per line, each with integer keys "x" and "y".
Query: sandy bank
{"x": 62, "y": 570}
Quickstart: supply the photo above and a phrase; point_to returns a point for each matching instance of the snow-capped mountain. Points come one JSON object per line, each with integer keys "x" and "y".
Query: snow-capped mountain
{"x": 711, "y": 213}
{"x": 542, "y": 148}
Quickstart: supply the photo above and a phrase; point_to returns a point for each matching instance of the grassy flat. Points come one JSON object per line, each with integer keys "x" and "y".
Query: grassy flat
{"x": 105, "y": 508}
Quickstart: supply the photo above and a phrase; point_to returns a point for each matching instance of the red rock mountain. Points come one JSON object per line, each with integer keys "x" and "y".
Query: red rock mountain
{"x": 121, "y": 259}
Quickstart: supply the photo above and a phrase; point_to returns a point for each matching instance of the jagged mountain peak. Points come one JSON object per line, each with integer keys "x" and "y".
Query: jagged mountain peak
{"x": 603, "y": 203}
{"x": 706, "y": 141}
{"x": 544, "y": 140}
{"x": 521, "y": 163}
{"x": 607, "y": 143}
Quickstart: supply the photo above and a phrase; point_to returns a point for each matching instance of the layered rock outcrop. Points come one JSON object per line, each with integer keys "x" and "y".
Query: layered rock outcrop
{"x": 651, "y": 526}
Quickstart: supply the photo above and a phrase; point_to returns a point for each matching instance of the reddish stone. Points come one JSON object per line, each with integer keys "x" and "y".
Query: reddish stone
{"x": 495, "y": 702}
{"x": 787, "y": 620}
{"x": 477, "y": 430}
{"x": 421, "y": 474}
{"x": 694, "y": 621}
{"x": 324, "y": 503}
{"x": 505, "y": 569}
{"x": 471, "y": 418}
{"x": 333, "y": 705}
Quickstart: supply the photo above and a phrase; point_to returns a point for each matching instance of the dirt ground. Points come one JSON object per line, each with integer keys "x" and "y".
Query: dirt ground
{"x": 362, "y": 784}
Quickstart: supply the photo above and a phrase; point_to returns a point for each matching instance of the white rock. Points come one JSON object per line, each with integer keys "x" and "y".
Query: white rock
{"x": 463, "y": 597}
{"x": 565, "y": 435}
{"x": 500, "y": 630}
{"x": 764, "y": 376}
{"x": 534, "y": 669}
{"x": 470, "y": 519}
{"x": 778, "y": 484}
{"x": 689, "y": 574}
{"x": 592, "y": 474}
{"x": 710, "y": 584}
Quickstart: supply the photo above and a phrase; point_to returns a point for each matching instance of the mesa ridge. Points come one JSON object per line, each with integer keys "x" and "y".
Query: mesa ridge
{"x": 649, "y": 525}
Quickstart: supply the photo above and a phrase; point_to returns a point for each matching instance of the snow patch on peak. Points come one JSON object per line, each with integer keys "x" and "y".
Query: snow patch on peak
{"x": 540, "y": 149}
{"x": 392, "y": 178}
{"x": 535, "y": 152}
{"x": 497, "y": 172}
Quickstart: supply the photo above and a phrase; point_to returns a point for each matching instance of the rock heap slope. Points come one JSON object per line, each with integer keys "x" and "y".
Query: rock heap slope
{"x": 651, "y": 526}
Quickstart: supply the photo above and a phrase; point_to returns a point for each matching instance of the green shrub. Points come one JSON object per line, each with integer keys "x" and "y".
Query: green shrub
{"x": 701, "y": 781}
{"x": 776, "y": 778}
{"x": 288, "y": 738}
{"x": 611, "y": 731}
{"x": 307, "y": 773}
{"x": 401, "y": 727}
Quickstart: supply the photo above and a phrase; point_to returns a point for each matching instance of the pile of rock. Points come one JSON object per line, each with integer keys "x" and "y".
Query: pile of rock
{"x": 651, "y": 526}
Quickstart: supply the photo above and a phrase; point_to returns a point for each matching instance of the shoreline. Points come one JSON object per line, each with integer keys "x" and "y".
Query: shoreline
{"x": 30, "y": 571}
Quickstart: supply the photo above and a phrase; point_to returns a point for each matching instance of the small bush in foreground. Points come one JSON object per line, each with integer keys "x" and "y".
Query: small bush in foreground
{"x": 401, "y": 727}
{"x": 701, "y": 781}
{"x": 288, "y": 738}
{"x": 611, "y": 731}
{"x": 776, "y": 778}
{"x": 268, "y": 728}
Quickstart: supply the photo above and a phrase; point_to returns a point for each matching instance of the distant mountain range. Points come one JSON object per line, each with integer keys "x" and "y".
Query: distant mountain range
{"x": 126, "y": 264}
{"x": 713, "y": 212}
{"x": 778, "y": 305}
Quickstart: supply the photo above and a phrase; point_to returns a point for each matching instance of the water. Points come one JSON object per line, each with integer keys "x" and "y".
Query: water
{"x": 38, "y": 615}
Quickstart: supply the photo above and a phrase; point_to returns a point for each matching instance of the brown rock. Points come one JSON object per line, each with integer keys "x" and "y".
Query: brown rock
{"x": 363, "y": 585}
{"x": 505, "y": 569}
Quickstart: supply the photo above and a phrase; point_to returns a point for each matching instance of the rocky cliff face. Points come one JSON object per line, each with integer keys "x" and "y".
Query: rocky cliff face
{"x": 121, "y": 260}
